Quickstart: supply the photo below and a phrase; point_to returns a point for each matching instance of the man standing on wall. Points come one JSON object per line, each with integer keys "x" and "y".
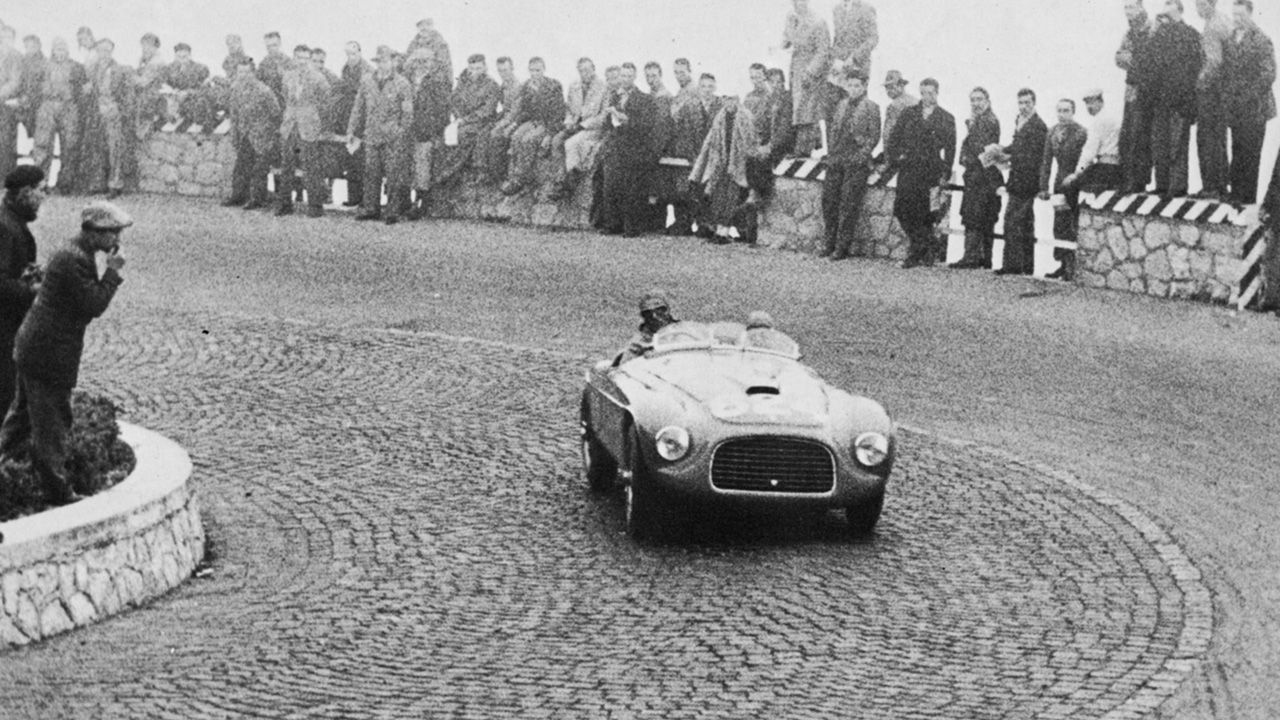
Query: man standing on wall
{"x": 806, "y": 35}
{"x": 1176, "y": 55}
{"x": 921, "y": 151}
{"x": 50, "y": 343}
{"x": 19, "y": 274}
{"x": 1139, "y": 105}
{"x": 1249, "y": 72}
{"x": 854, "y": 134}
{"x": 1211, "y": 116}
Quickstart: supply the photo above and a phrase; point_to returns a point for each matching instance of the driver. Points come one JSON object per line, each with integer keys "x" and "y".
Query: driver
{"x": 656, "y": 313}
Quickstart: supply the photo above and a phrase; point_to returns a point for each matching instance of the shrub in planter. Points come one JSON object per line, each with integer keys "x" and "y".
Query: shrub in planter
{"x": 96, "y": 459}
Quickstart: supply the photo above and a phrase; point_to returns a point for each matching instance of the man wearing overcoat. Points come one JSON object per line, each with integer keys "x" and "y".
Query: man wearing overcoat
{"x": 19, "y": 277}
{"x": 1249, "y": 72}
{"x": 58, "y": 114}
{"x": 382, "y": 117}
{"x": 806, "y": 35}
{"x": 50, "y": 343}
{"x": 854, "y": 134}
{"x": 980, "y": 206}
{"x": 628, "y": 154}
{"x": 1139, "y": 105}
{"x": 475, "y": 101}
{"x": 921, "y": 150}
{"x": 113, "y": 95}
{"x": 1175, "y": 57}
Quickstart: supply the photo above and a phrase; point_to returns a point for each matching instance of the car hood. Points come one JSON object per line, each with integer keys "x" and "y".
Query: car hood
{"x": 742, "y": 387}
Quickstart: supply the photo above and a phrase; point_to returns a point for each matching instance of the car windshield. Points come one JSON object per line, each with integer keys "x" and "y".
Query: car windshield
{"x": 723, "y": 336}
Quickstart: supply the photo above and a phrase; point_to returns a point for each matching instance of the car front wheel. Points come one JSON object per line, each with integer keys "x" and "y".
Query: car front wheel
{"x": 642, "y": 503}
{"x": 864, "y": 515}
{"x": 598, "y": 467}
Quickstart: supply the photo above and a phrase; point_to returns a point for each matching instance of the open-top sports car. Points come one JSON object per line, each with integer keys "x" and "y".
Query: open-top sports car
{"x": 717, "y": 414}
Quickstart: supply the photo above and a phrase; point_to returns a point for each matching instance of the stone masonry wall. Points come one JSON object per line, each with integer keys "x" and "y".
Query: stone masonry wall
{"x": 1156, "y": 256}
{"x": 196, "y": 164}
{"x": 111, "y": 552}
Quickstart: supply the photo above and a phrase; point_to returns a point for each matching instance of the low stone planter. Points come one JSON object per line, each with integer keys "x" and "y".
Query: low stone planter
{"x": 75, "y": 565}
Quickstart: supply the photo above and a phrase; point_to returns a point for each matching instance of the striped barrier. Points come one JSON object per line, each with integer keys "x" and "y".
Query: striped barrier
{"x": 1187, "y": 209}
{"x": 1255, "y": 249}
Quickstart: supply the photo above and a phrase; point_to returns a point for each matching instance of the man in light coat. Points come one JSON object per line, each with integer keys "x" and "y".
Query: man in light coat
{"x": 809, "y": 40}
{"x": 576, "y": 144}
{"x": 381, "y": 117}
{"x": 305, "y": 93}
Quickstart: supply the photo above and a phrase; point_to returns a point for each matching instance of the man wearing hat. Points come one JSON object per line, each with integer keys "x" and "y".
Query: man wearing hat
{"x": 895, "y": 86}
{"x": 655, "y": 312}
{"x": 382, "y": 117}
{"x": 1099, "y": 167}
{"x": 50, "y": 343}
{"x": 19, "y": 274}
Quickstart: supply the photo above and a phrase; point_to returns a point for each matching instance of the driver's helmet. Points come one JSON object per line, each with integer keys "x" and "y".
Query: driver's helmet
{"x": 759, "y": 319}
{"x": 653, "y": 300}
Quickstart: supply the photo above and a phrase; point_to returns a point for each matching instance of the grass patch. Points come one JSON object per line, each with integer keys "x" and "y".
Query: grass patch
{"x": 96, "y": 459}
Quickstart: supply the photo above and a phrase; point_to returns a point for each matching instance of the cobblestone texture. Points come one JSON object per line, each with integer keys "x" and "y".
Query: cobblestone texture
{"x": 1160, "y": 257}
{"x": 398, "y": 529}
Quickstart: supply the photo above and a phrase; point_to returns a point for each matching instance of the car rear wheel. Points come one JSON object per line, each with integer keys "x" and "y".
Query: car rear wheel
{"x": 863, "y": 516}
{"x": 642, "y": 503}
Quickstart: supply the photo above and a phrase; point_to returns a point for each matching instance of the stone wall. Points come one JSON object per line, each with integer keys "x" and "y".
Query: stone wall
{"x": 792, "y": 220}
{"x": 1159, "y": 256}
{"x": 75, "y": 565}
{"x": 184, "y": 163}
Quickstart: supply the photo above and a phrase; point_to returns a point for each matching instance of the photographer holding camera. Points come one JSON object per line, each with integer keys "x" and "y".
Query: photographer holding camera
{"x": 19, "y": 273}
{"x": 50, "y": 342}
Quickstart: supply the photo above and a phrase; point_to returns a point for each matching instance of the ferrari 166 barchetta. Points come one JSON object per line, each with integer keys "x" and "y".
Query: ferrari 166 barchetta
{"x": 716, "y": 414}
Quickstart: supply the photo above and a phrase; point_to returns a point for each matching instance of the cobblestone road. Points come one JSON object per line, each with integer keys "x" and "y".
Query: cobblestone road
{"x": 399, "y": 530}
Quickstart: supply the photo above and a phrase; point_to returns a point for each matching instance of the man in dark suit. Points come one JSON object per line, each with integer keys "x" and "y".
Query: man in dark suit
{"x": 980, "y": 206}
{"x": 854, "y": 134}
{"x": 50, "y": 343}
{"x": 629, "y": 153}
{"x": 693, "y": 124}
{"x": 1249, "y": 71}
{"x": 19, "y": 277}
{"x": 1025, "y": 155}
{"x": 541, "y": 113}
{"x": 1176, "y": 55}
{"x": 1135, "y": 130}
{"x": 921, "y": 151}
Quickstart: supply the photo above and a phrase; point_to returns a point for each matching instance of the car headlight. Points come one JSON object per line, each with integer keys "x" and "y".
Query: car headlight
{"x": 672, "y": 442}
{"x": 871, "y": 449}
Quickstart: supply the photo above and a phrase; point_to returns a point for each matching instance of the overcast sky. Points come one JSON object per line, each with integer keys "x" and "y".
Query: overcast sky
{"x": 1058, "y": 47}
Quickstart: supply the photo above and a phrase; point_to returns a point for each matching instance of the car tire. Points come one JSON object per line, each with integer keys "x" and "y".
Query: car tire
{"x": 642, "y": 505}
{"x": 864, "y": 515}
{"x": 598, "y": 467}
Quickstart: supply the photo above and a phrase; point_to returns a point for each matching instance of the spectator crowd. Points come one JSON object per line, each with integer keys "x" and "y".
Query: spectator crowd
{"x": 647, "y": 151}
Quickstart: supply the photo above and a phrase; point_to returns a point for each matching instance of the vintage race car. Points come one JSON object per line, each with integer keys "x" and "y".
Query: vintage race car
{"x": 716, "y": 414}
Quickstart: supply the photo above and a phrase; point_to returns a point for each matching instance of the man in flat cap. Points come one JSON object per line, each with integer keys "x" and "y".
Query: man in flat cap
{"x": 50, "y": 343}
{"x": 19, "y": 274}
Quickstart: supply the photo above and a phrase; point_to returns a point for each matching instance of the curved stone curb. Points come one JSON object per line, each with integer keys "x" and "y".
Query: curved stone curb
{"x": 1197, "y": 603}
{"x": 75, "y": 565}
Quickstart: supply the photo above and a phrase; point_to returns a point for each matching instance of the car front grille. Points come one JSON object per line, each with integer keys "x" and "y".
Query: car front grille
{"x": 770, "y": 464}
